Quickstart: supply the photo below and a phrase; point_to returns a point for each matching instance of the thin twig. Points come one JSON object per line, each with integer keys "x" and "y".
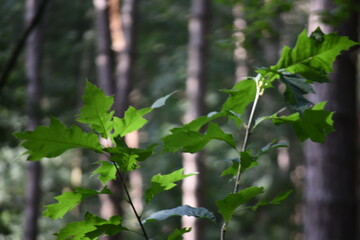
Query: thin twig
{"x": 130, "y": 201}
{"x": 21, "y": 43}
{"x": 245, "y": 144}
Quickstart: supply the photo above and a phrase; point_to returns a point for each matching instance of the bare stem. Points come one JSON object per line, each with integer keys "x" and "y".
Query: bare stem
{"x": 130, "y": 201}
{"x": 245, "y": 144}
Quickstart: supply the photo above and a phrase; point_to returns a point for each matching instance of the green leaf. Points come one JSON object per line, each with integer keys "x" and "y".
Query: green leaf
{"x": 315, "y": 123}
{"x": 161, "y": 183}
{"x": 241, "y": 95}
{"x": 52, "y": 141}
{"x": 107, "y": 171}
{"x": 161, "y": 101}
{"x": 127, "y": 158}
{"x": 296, "y": 88}
{"x": 270, "y": 146}
{"x": 277, "y": 200}
{"x": 247, "y": 160}
{"x": 69, "y": 200}
{"x": 177, "y": 234}
{"x": 228, "y": 205}
{"x": 312, "y": 57}
{"x": 132, "y": 121}
{"x": 215, "y": 132}
{"x": 181, "y": 211}
{"x": 96, "y": 110}
{"x": 185, "y": 141}
{"x": 233, "y": 169}
{"x": 91, "y": 228}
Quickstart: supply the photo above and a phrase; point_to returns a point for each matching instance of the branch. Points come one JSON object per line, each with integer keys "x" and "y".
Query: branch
{"x": 20, "y": 44}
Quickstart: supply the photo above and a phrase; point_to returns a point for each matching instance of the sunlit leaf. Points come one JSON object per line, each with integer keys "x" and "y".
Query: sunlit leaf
{"x": 177, "y": 234}
{"x": 91, "y": 228}
{"x": 69, "y": 200}
{"x": 312, "y": 57}
{"x": 186, "y": 210}
{"x": 106, "y": 171}
{"x": 228, "y": 205}
{"x": 161, "y": 183}
{"x": 96, "y": 110}
{"x": 52, "y": 141}
{"x": 241, "y": 95}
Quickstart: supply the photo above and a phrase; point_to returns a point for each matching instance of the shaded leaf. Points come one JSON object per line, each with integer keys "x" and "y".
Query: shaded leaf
{"x": 185, "y": 141}
{"x": 161, "y": 101}
{"x": 52, "y": 141}
{"x": 277, "y": 200}
{"x": 228, "y": 205}
{"x": 296, "y": 88}
{"x": 181, "y": 211}
{"x": 161, "y": 183}
{"x": 315, "y": 123}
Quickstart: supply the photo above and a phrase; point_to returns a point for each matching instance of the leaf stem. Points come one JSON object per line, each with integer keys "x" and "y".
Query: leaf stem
{"x": 130, "y": 200}
{"x": 245, "y": 143}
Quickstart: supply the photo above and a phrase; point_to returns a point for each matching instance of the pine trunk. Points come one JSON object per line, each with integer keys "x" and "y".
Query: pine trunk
{"x": 330, "y": 192}
{"x": 33, "y": 64}
{"x": 193, "y": 188}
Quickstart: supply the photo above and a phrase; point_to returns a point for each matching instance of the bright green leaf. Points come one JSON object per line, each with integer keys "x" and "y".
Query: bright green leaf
{"x": 96, "y": 110}
{"x": 241, "y": 95}
{"x": 69, "y": 200}
{"x": 91, "y": 228}
{"x": 228, "y": 205}
{"x": 177, "y": 234}
{"x": 132, "y": 121}
{"x": 161, "y": 183}
{"x": 52, "y": 141}
{"x": 107, "y": 171}
{"x": 185, "y": 141}
{"x": 312, "y": 57}
{"x": 233, "y": 169}
{"x": 215, "y": 132}
{"x": 181, "y": 211}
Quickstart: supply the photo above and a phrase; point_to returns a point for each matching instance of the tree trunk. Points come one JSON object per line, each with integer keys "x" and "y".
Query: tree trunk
{"x": 193, "y": 188}
{"x": 33, "y": 63}
{"x": 330, "y": 192}
{"x": 103, "y": 44}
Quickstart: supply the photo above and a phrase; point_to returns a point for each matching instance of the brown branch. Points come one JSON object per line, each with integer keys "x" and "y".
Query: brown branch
{"x": 20, "y": 44}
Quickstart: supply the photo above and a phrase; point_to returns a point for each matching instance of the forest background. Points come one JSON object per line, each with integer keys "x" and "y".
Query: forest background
{"x": 74, "y": 41}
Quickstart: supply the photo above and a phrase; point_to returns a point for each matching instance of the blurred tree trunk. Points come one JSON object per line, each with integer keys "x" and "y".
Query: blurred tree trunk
{"x": 103, "y": 47}
{"x": 110, "y": 204}
{"x": 330, "y": 193}
{"x": 33, "y": 110}
{"x": 193, "y": 188}
{"x": 240, "y": 53}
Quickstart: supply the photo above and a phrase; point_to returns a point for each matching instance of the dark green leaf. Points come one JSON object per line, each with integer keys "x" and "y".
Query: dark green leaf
{"x": 52, "y": 141}
{"x": 228, "y": 205}
{"x": 315, "y": 123}
{"x": 185, "y": 141}
{"x": 277, "y": 200}
{"x": 181, "y": 211}
{"x": 296, "y": 88}
{"x": 161, "y": 183}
